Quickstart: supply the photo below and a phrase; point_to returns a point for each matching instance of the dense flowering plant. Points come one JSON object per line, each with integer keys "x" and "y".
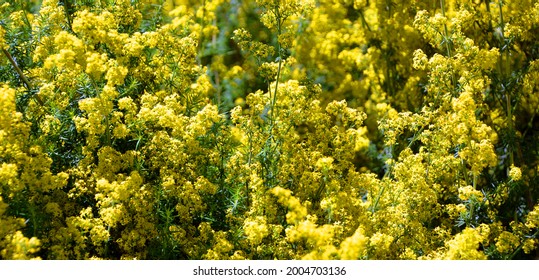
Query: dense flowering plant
{"x": 269, "y": 129}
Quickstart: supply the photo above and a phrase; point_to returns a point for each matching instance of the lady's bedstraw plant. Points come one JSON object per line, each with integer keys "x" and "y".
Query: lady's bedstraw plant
{"x": 278, "y": 17}
{"x": 331, "y": 129}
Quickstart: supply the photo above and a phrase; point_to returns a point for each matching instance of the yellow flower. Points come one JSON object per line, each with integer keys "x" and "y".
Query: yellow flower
{"x": 515, "y": 174}
{"x": 19, "y": 247}
{"x": 325, "y": 163}
{"x": 506, "y": 242}
{"x": 3, "y": 44}
{"x": 468, "y": 192}
{"x": 255, "y": 229}
{"x": 420, "y": 59}
{"x": 465, "y": 246}
{"x": 115, "y": 74}
{"x": 354, "y": 247}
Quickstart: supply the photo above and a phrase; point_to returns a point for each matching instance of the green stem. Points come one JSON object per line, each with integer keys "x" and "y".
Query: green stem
{"x": 389, "y": 78}
{"x": 249, "y": 159}
{"x": 274, "y": 101}
{"x": 25, "y": 16}
{"x": 447, "y": 43}
{"x": 472, "y": 212}
{"x": 446, "y": 32}
{"x": 377, "y": 200}
{"x": 364, "y": 21}
{"x": 67, "y": 11}
{"x": 17, "y": 69}
{"x": 487, "y": 4}
{"x": 504, "y": 71}
{"x": 25, "y": 80}
{"x": 33, "y": 219}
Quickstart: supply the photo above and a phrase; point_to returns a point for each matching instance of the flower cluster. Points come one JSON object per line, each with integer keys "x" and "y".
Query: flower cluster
{"x": 269, "y": 129}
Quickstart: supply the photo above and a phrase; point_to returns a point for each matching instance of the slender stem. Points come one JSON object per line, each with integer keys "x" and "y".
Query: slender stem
{"x": 274, "y": 101}
{"x": 273, "y": 107}
{"x": 25, "y": 16}
{"x": 377, "y": 200}
{"x": 249, "y": 159}
{"x": 387, "y": 55}
{"x": 464, "y": 172}
{"x": 504, "y": 69}
{"x": 364, "y": 21}
{"x": 447, "y": 43}
{"x": 67, "y": 11}
{"x": 24, "y": 79}
{"x": 218, "y": 91}
{"x": 487, "y": 4}
{"x": 472, "y": 212}
{"x": 17, "y": 68}
{"x": 500, "y": 6}
{"x": 446, "y": 32}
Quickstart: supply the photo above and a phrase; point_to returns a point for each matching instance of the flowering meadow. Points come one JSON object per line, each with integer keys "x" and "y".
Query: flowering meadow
{"x": 269, "y": 129}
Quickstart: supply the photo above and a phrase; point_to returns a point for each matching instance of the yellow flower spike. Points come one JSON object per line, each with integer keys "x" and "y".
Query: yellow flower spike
{"x": 515, "y": 173}
{"x": 420, "y": 60}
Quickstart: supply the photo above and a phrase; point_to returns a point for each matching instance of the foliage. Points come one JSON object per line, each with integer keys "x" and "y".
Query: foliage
{"x": 269, "y": 129}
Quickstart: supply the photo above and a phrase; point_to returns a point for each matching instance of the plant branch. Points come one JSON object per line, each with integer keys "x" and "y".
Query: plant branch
{"x": 24, "y": 79}
{"x": 17, "y": 68}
